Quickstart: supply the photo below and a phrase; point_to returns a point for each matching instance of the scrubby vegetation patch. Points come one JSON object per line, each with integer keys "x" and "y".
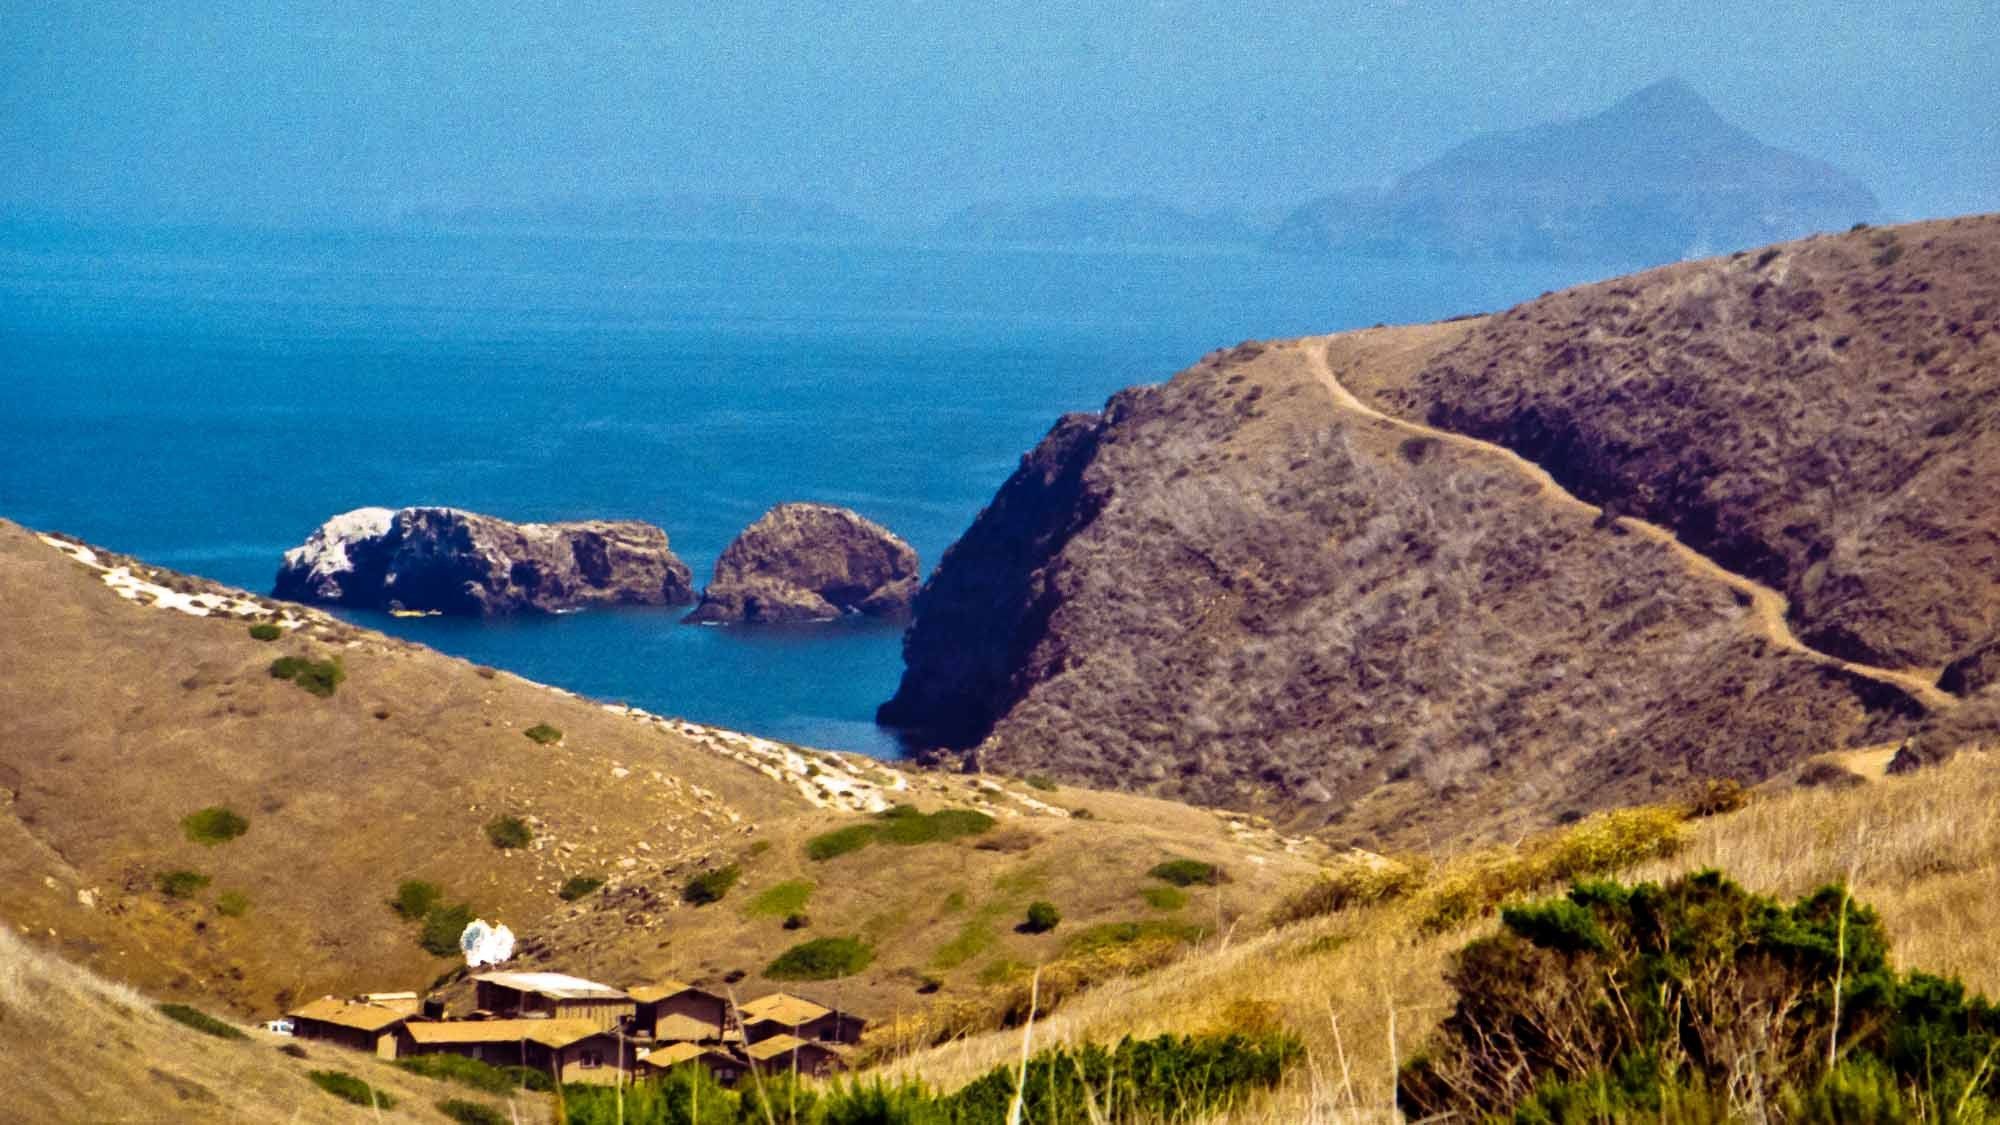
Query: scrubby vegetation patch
{"x": 320, "y": 677}
{"x": 216, "y": 824}
{"x": 509, "y": 832}
{"x": 348, "y": 1088}
{"x": 201, "y": 1021}
{"x": 579, "y": 886}
{"x": 782, "y": 900}
{"x": 821, "y": 959}
{"x": 709, "y": 886}
{"x": 542, "y": 734}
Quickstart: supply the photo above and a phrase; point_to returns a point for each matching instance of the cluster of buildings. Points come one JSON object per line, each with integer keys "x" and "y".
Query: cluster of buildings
{"x": 577, "y": 1030}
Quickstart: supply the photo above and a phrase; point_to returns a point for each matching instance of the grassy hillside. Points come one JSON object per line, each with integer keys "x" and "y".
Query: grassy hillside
{"x": 1365, "y": 986}
{"x": 80, "y": 1048}
{"x": 178, "y": 818}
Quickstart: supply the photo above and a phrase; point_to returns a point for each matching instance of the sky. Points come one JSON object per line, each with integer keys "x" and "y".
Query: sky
{"x": 903, "y": 110}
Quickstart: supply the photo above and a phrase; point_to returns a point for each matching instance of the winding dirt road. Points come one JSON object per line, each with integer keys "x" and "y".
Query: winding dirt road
{"x": 1769, "y": 609}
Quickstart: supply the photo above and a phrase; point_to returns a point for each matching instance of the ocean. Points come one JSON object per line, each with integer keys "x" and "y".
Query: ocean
{"x": 204, "y": 398}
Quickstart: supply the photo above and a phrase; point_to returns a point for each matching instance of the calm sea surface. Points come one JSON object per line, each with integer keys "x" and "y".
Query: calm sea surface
{"x": 203, "y": 399}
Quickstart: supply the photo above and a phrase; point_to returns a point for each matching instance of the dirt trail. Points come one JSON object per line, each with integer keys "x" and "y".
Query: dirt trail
{"x": 1769, "y": 609}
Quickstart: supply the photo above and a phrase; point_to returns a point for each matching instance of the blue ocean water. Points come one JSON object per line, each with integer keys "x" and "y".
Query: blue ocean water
{"x": 204, "y": 398}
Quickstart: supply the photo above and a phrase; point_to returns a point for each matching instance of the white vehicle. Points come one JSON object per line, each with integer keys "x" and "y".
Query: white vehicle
{"x": 278, "y": 1026}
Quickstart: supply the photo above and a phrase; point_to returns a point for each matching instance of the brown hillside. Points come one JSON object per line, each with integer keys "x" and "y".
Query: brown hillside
{"x": 120, "y": 717}
{"x": 1248, "y": 587}
{"x": 1821, "y": 416}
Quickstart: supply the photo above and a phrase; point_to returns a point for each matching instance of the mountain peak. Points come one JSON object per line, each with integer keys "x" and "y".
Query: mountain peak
{"x": 1669, "y": 99}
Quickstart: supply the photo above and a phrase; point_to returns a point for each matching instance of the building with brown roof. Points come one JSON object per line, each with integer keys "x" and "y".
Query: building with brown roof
{"x": 569, "y": 1050}
{"x": 781, "y": 1013}
{"x": 672, "y": 1011}
{"x": 555, "y": 996}
{"x": 349, "y": 1023}
{"x": 787, "y": 1054}
{"x": 718, "y": 1061}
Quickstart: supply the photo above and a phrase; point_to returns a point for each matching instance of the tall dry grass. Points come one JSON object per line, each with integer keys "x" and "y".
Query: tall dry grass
{"x": 1364, "y": 986}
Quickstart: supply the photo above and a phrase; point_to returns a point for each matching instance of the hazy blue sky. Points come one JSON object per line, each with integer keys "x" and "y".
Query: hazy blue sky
{"x": 281, "y": 111}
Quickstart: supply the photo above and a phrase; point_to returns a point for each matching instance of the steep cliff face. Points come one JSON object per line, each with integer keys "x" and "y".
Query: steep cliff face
{"x": 459, "y": 562}
{"x": 810, "y": 562}
{"x": 1252, "y": 587}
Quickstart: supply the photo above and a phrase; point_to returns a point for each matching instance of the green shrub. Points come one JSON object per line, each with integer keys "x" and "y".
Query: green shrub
{"x": 1171, "y": 1078}
{"x": 1715, "y": 796}
{"x": 348, "y": 1088}
{"x": 709, "y": 886}
{"x": 905, "y": 825}
{"x": 414, "y": 898}
{"x": 320, "y": 677}
{"x": 507, "y": 832}
{"x": 232, "y": 904}
{"x": 840, "y": 841}
{"x": 577, "y": 886}
{"x": 180, "y": 884}
{"x": 465, "y": 1072}
{"x": 442, "y": 927}
{"x": 472, "y": 1113}
{"x": 1188, "y": 873}
{"x": 1617, "y": 1003}
{"x": 201, "y": 1021}
{"x": 214, "y": 825}
{"x": 781, "y": 900}
{"x": 1044, "y": 783}
{"x": 1042, "y": 917}
{"x": 543, "y": 734}
{"x": 1350, "y": 886}
{"x": 265, "y": 631}
{"x": 1164, "y": 898}
{"x": 1105, "y": 935}
{"x": 821, "y": 959}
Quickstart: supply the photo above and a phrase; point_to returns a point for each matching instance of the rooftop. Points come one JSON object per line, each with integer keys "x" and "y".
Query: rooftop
{"x": 549, "y": 1033}
{"x": 556, "y": 986}
{"x": 347, "y": 1013}
{"x": 649, "y": 993}
{"x": 673, "y": 1054}
{"x": 784, "y": 1008}
{"x": 779, "y": 1045}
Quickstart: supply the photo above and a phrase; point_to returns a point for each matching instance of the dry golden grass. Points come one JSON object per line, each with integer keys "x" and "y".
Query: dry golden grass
{"x": 1364, "y": 987}
{"x": 82, "y": 1049}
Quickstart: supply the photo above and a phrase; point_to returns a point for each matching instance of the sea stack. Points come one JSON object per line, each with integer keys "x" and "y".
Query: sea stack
{"x": 810, "y": 562}
{"x": 450, "y": 561}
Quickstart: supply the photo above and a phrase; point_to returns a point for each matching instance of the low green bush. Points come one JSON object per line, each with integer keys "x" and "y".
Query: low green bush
{"x": 1042, "y": 917}
{"x": 1135, "y": 1082}
{"x": 508, "y": 832}
{"x": 442, "y": 927}
{"x": 232, "y": 904}
{"x": 265, "y": 631}
{"x": 905, "y": 825}
{"x": 579, "y": 886}
{"x": 464, "y": 1071}
{"x": 821, "y": 959}
{"x": 1653, "y": 1002}
{"x": 472, "y": 1113}
{"x": 1045, "y": 784}
{"x": 1105, "y": 935}
{"x": 709, "y": 886}
{"x": 201, "y": 1021}
{"x": 319, "y": 677}
{"x": 348, "y": 1088}
{"x": 1188, "y": 873}
{"x": 840, "y": 841}
{"x": 414, "y": 898}
{"x": 781, "y": 900}
{"x": 1164, "y": 898}
{"x": 543, "y": 734}
{"x": 216, "y": 824}
{"x": 180, "y": 884}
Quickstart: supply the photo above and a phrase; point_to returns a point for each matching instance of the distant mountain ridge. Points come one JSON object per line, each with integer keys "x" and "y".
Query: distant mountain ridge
{"x": 1656, "y": 177}
{"x": 1134, "y": 220}
{"x": 700, "y": 216}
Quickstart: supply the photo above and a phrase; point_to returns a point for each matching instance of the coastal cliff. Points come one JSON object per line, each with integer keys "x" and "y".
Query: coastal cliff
{"x": 1285, "y": 580}
{"x": 463, "y": 563}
